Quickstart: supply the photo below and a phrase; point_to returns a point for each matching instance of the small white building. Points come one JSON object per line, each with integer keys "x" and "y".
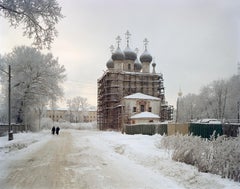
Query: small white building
{"x": 141, "y": 103}
{"x": 145, "y": 117}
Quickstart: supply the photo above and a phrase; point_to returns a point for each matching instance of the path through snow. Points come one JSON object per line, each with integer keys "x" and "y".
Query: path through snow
{"x": 102, "y": 160}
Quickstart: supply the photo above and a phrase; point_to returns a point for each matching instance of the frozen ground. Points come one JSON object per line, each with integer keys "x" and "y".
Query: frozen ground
{"x": 94, "y": 159}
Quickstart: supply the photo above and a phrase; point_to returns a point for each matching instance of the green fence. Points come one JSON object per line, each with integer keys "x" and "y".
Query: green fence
{"x": 205, "y": 130}
{"x": 146, "y": 129}
{"x": 161, "y": 129}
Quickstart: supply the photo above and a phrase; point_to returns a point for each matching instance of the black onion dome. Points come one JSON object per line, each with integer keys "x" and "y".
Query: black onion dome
{"x": 110, "y": 63}
{"x": 129, "y": 54}
{"x": 146, "y": 57}
{"x": 137, "y": 65}
{"x": 118, "y": 55}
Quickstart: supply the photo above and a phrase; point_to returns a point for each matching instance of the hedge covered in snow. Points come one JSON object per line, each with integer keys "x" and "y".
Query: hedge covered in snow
{"x": 47, "y": 123}
{"x": 219, "y": 155}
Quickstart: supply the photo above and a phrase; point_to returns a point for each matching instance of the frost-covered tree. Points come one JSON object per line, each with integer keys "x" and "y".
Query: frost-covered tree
{"x": 36, "y": 79}
{"x": 187, "y": 108}
{"x": 77, "y": 108}
{"x": 216, "y": 100}
{"x": 37, "y": 18}
{"x": 220, "y": 91}
{"x": 233, "y": 97}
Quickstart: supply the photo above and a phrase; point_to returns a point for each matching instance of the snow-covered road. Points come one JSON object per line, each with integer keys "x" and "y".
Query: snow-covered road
{"x": 94, "y": 159}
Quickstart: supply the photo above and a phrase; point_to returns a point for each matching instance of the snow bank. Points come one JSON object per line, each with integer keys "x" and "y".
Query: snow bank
{"x": 19, "y": 147}
{"x": 218, "y": 155}
{"x": 143, "y": 150}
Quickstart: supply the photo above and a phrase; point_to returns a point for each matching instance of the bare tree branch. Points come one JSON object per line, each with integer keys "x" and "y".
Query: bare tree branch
{"x": 38, "y": 18}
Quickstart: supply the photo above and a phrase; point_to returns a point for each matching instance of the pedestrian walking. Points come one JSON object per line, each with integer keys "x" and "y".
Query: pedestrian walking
{"x": 57, "y": 130}
{"x": 53, "y": 130}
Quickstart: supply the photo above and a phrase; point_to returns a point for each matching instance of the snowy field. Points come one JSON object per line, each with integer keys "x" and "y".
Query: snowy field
{"x": 99, "y": 159}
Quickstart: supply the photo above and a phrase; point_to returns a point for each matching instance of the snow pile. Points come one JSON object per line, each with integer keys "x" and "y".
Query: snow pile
{"x": 218, "y": 155}
{"x": 20, "y": 141}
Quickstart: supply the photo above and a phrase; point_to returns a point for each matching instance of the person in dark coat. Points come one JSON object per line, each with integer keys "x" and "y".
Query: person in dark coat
{"x": 57, "y": 130}
{"x": 53, "y": 130}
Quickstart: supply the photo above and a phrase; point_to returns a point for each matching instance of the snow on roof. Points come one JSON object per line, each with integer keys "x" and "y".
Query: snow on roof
{"x": 141, "y": 96}
{"x": 208, "y": 121}
{"x": 57, "y": 109}
{"x": 90, "y": 109}
{"x": 144, "y": 115}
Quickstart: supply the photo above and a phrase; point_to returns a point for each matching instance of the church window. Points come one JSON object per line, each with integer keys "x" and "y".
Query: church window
{"x": 134, "y": 109}
{"x": 129, "y": 66}
{"x": 142, "y": 108}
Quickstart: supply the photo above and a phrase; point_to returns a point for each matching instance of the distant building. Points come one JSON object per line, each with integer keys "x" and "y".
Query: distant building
{"x": 90, "y": 116}
{"x": 126, "y": 75}
{"x": 57, "y": 114}
{"x": 62, "y": 114}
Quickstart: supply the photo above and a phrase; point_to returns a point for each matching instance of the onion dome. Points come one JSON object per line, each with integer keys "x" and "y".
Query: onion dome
{"x": 154, "y": 65}
{"x": 110, "y": 64}
{"x": 129, "y": 54}
{"x": 118, "y": 55}
{"x": 137, "y": 65}
{"x": 146, "y": 56}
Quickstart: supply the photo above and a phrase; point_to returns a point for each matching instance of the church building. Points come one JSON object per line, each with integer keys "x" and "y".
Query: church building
{"x": 126, "y": 75}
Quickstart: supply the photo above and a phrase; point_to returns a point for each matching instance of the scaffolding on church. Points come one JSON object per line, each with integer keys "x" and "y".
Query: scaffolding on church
{"x": 126, "y": 76}
{"x": 113, "y": 86}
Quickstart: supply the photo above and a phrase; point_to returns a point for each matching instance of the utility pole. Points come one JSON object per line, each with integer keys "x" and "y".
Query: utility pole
{"x": 178, "y": 99}
{"x": 10, "y": 131}
{"x": 238, "y": 110}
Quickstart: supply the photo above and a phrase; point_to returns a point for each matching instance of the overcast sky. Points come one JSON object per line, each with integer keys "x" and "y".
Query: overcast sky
{"x": 193, "y": 42}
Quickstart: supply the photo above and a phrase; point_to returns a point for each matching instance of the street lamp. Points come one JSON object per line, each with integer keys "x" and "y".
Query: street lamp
{"x": 10, "y": 132}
